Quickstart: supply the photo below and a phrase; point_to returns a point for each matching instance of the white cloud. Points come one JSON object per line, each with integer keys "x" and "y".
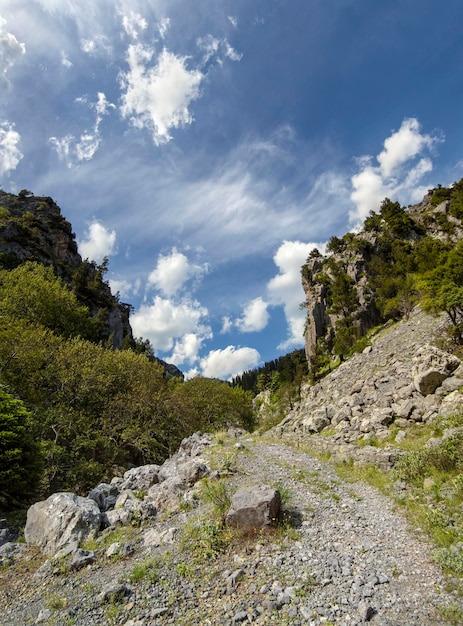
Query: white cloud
{"x": 233, "y": 21}
{"x": 227, "y": 325}
{"x": 10, "y": 154}
{"x": 255, "y": 316}
{"x": 163, "y": 27}
{"x": 98, "y": 46}
{"x": 173, "y": 271}
{"x": 10, "y": 51}
{"x": 402, "y": 146}
{"x": 158, "y": 98}
{"x": 65, "y": 62}
{"x": 73, "y": 150}
{"x": 99, "y": 243}
{"x": 186, "y": 349}
{"x": 166, "y": 320}
{"x": 286, "y": 289}
{"x": 399, "y": 170}
{"x": 125, "y": 288}
{"x": 213, "y": 47}
{"x": 133, "y": 23}
{"x": 229, "y": 362}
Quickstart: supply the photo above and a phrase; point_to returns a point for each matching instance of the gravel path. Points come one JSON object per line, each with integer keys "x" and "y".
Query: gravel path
{"x": 351, "y": 560}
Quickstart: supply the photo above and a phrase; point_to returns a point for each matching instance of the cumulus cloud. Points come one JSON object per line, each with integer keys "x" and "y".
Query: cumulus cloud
{"x": 10, "y": 51}
{"x": 285, "y": 288}
{"x": 397, "y": 173}
{"x": 173, "y": 271}
{"x": 98, "y": 243}
{"x": 158, "y": 97}
{"x": 10, "y": 154}
{"x": 229, "y": 362}
{"x": 73, "y": 150}
{"x": 255, "y": 316}
{"x": 186, "y": 349}
{"x": 166, "y": 321}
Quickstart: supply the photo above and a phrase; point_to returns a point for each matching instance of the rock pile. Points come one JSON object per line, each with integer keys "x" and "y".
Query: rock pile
{"x": 64, "y": 521}
{"x": 399, "y": 380}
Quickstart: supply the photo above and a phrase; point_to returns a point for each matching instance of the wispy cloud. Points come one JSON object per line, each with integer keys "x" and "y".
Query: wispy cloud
{"x": 10, "y": 51}
{"x": 71, "y": 149}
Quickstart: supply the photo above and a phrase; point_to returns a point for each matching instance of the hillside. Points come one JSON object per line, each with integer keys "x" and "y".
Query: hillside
{"x": 380, "y": 272}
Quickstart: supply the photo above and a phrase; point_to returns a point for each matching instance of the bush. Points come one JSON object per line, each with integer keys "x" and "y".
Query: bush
{"x": 20, "y": 460}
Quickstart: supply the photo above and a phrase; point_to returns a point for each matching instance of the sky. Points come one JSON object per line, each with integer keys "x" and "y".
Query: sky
{"x": 207, "y": 147}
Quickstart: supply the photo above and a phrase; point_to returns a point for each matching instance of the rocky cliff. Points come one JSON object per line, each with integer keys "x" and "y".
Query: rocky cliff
{"x": 32, "y": 228}
{"x": 341, "y": 288}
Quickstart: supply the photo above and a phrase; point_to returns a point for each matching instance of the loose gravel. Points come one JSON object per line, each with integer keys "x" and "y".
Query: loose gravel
{"x": 344, "y": 557}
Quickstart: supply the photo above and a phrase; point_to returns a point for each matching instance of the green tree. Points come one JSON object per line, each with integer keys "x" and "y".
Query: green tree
{"x": 442, "y": 289}
{"x": 32, "y": 292}
{"x": 20, "y": 459}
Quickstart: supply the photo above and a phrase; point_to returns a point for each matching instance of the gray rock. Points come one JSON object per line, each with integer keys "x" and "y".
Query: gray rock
{"x": 105, "y": 496}
{"x": 113, "y": 593}
{"x": 82, "y": 558}
{"x": 431, "y": 367}
{"x": 140, "y": 478}
{"x": 254, "y": 507}
{"x": 63, "y": 521}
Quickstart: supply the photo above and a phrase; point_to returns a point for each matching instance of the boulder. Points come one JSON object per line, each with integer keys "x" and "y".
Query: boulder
{"x": 431, "y": 367}
{"x": 105, "y": 496}
{"x": 61, "y": 522}
{"x": 192, "y": 471}
{"x": 128, "y": 508}
{"x": 167, "y": 495}
{"x": 140, "y": 478}
{"x": 254, "y": 507}
{"x": 316, "y": 422}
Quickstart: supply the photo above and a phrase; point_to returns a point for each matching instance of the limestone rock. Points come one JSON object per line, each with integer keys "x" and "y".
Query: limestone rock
{"x": 104, "y": 495}
{"x": 254, "y": 507}
{"x": 62, "y": 521}
{"x": 431, "y": 367}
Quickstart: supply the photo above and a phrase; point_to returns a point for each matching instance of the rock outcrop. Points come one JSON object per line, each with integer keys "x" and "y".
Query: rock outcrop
{"x": 352, "y": 256}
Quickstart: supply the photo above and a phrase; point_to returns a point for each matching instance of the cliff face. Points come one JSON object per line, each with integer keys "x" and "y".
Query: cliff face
{"x": 33, "y": 229}
{"x": 340, "y": 287}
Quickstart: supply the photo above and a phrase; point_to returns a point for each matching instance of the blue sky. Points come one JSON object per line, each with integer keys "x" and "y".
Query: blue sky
{"x": 207, "y": 147}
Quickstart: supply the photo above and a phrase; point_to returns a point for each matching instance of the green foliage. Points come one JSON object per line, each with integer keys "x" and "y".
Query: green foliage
{"x": 456, "y": 200}
{"x": 145, "y": 570}
{"x": 398, "y": 221}
{"x": 292, "y": 369}
{"x": 445, "y": 457}
{"x": 209, "y": 404}
{"x": 32, "y": 292}
{"x": 442, "y": 288}
{"x": 216, "y": 492}
{"x": 20, "y": 459}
